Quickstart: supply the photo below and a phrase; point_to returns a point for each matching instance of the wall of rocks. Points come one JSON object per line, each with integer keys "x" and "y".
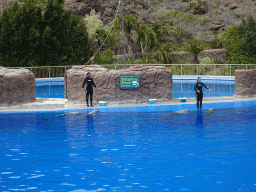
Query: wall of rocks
{"x": 219, "y": 54}
{"x": 16, "y": 86}
{"x": 154, "y": 83}
{"x": 245, "y": 83}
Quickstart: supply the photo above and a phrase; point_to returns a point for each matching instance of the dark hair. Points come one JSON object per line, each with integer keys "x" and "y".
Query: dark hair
{"x": 88, "y": 73}
{"x": 198, "y": 79}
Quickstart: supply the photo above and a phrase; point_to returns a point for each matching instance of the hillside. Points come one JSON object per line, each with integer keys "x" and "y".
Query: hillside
{"x": 221, "y": 13}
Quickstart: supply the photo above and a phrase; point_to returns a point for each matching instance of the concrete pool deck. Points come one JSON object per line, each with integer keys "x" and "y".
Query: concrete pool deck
{"x": 46, "y": 104}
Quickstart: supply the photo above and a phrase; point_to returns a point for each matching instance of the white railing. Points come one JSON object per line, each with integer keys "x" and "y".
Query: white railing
{"x": 177, "y": 69}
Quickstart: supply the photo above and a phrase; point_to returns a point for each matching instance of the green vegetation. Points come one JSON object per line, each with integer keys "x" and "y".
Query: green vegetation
{"x": 197, "y": 6}
{"x": 38, "y": 33}
{"x": 195, "y": 47}
{"x": 104, "y": 58}
{"x": 43, "y": 33}
{"x": 241, "y": 42}
{"x": 93, "y": 24}
{"x": 207, "y": 60}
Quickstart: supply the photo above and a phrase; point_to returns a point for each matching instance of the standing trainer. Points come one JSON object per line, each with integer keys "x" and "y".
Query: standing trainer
{"x": 199, "y": 92}
{"x": 89, "y": 90}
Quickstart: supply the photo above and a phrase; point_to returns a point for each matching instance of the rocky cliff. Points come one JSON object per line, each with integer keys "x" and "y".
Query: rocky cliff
{"x": 16, "y": 86}
{"x": 154, "y": 83}
{"x": 245, "y": 83}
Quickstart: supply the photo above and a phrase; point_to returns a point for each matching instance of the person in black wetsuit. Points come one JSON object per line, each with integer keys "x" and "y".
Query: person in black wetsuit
{"x": 89, "y": 90}
{"x": 199, "y": 92}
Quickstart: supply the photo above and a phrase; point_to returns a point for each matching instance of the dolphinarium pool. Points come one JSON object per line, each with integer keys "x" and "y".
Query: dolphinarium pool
{"x": 183, "y": 86}
{"x": 131, "y": 149}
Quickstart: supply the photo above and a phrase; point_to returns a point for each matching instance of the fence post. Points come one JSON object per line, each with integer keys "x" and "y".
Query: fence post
{"x": 181, "y": 70}
{"x": 197, "y": 69}
{"x": 230, "y": 70}
{"x": 49, "y": 69}
{"x": 214, "y": 69}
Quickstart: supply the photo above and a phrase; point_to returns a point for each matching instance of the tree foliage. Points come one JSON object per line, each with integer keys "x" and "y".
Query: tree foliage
{"x": 241, "y": 42}
{"x": 194, "y": 47}
{"x": 34, "y": 33}
{"x": 104, "y": 58}
{"x": 93, "y": 23}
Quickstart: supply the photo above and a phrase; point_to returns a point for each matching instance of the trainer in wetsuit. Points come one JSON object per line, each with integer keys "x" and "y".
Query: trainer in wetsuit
{"x": 89, "y": 90}
{"x": 199, "y": 92}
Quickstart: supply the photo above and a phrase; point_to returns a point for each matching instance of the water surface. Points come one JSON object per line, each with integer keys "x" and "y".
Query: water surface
{"x": 195, "y": 151}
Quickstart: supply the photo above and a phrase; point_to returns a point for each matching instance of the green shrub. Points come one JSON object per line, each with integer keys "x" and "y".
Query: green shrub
{"x": 104, "y": 58}
{"x": 215, "y": 43}
{"x": 197, "y": 6}
{"x": 207, "y": 60}
{"x": 202, "y": 20}
{"x": 241, "y": 42}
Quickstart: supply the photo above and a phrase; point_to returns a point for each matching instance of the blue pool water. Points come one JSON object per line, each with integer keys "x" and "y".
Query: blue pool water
{"x": 50, "y": 88}
{"x": 131, "y": 149}
{"x": 182, "y": 87}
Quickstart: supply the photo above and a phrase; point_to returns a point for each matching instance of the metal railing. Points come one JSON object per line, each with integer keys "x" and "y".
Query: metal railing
{"x": 177, "y": 69}
{"x": 196, "y": 69}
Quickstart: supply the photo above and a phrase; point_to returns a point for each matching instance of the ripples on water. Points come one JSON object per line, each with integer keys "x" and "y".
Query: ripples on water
{"x": 129, "y": 151}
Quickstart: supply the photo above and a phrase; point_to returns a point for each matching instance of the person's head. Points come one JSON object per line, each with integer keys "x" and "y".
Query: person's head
{"x": 88, "y": 74}
{"x": 198, "y": 79}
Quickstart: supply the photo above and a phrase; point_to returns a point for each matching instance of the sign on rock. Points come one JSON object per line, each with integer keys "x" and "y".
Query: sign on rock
{"x": 129, "y": 81}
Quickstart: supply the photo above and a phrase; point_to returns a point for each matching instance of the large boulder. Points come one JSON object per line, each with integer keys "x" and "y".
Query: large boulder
{"x": 16, "y": 86}
{"x": 154, "y": 83}
{"x": 245, "y": 83}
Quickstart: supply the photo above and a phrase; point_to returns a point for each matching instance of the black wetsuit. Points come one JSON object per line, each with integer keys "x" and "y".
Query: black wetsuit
{"x": 89, "y": 90}
{"x": 199, "y": 96}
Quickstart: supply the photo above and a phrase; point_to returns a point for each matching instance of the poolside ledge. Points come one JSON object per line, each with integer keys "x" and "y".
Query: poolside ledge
{"x": 59, "y": 104}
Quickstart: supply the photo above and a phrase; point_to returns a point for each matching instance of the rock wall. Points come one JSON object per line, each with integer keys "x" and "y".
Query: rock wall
{"x": 16, "y": 86}
{"x": 245, "y": 83}
{"x": 219, "y": 54}
{"x": 154, "y": 83}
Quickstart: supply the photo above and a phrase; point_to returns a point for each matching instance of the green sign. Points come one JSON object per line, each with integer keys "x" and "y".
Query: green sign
{"x": 129, "y": 81}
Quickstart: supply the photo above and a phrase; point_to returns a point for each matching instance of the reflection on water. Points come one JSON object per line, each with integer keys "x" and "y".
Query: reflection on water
{"x": 129, "y": 151}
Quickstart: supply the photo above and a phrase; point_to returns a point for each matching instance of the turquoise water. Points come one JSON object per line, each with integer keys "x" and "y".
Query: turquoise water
{"x": 131, "y": 149}
{"x": 182, "y": 87}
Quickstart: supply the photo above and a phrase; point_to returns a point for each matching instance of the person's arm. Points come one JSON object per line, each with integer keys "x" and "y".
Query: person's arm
{"x": 195, "y": 88}
{"x": 84, "y": 82}
{"x": 93, "y": 84}
{"x": 205, "y": 86}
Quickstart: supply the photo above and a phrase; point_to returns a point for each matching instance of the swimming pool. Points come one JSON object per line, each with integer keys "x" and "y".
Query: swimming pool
{"x": 131, "y": 149}
{"x": 183, "y": 86}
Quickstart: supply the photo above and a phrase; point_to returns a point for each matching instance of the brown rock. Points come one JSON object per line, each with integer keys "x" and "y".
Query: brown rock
{"x": 216, "y": 25}
{"x": 16, "y": 86}
{"x": 154, "y": 82}
{"x": 245, "y": 83}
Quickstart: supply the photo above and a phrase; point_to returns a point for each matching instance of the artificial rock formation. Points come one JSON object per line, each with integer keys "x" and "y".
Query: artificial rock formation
{"x": 16, "y": 86}
{"x": 154, "y": 83}
{"x": 245, "y": 83}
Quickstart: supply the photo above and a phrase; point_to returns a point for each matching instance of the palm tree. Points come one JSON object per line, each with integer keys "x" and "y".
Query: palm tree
{"x": 195, "y": 47}
{"x": 162, "y": 53}
{"x": 145, "y": 34}
{"x": 130, "y": 24}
